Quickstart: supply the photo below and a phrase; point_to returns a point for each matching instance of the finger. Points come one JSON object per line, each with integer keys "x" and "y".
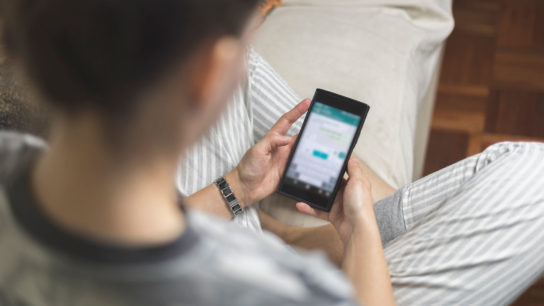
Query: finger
{"x": 285, "y": 122}
{"x": 307, "y": 209}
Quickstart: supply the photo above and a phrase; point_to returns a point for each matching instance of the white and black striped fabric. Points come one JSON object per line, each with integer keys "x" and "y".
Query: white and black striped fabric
{"x": 474, "y": 231}
{"x": 470, "y": 234}
{"x": 253, "y": 110}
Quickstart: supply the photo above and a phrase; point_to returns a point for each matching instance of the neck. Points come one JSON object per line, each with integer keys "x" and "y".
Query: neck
{"x": 84, "y": 187}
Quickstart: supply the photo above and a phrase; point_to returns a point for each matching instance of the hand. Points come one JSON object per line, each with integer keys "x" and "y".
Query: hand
{"x": 352, "y": 205}
{"x": 260, "y": 170}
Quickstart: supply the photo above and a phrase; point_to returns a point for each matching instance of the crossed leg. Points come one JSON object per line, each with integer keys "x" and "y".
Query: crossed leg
{"x": 473, "y": 232}
{"x": 468, "y": 234}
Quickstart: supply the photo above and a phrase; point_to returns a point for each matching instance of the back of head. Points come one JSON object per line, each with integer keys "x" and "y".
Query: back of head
{"x": 101, "y": 53}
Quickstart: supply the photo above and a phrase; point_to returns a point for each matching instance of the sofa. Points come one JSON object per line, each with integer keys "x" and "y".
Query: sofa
{"x": 386, "y": 53}
{"x": 383, "y": 52}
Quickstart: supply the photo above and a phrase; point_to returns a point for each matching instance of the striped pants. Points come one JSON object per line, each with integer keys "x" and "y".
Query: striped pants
{"x": 473, "y": 233}
{"x": 470, "y": 234}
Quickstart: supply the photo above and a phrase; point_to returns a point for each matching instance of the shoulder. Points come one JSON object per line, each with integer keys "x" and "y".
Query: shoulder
{"x": 14, "y": 148}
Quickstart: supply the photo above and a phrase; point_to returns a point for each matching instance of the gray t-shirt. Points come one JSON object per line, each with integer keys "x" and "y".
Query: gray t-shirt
{"x": 214, "y": 262}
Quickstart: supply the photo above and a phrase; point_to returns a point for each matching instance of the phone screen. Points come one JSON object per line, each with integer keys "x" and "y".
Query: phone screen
{"x": 321, "y": 151}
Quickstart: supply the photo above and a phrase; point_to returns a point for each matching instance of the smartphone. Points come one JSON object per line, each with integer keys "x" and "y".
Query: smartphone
{"x": 320, "y": 155}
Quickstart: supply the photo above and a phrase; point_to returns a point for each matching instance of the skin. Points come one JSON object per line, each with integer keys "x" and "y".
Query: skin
{"x": 352, "y": 215}
{"x": 122, "y": 192}
{"x": 323, "y": 238}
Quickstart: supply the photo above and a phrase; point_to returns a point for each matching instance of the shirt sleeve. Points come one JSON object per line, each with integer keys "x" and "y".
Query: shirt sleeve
{"x": 269, "y": 272}
{"x": 327, "y": 285}
{"x": 298, "y": 279}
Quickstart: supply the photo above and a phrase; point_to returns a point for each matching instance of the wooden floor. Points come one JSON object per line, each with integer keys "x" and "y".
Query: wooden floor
{"x": 491, "y": 86}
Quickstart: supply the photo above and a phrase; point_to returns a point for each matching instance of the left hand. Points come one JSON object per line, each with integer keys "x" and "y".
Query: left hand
{"x": 259, "y": 172}
{"x": 353, "y": 205}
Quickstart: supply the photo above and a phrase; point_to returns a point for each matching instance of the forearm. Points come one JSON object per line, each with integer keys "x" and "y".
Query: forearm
{"x": 323, "y": 238}
{"x": 365, "y": 264}
{"x": 211, "y": 201}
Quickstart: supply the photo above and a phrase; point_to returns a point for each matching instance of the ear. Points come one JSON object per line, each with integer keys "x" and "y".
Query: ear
{"x": 213, "y": 68}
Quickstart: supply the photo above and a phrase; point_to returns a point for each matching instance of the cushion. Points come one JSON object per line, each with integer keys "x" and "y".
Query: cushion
{"x": 382, "y": 52}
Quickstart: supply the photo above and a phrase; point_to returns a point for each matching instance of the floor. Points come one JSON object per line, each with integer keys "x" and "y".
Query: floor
{"x": 491, "y": 86}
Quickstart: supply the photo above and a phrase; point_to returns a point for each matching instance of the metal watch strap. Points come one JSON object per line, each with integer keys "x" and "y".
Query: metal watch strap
{"x": 228, "y": 195}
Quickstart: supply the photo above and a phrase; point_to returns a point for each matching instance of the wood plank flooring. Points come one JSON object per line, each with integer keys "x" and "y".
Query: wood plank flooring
{"x": 491, "y": 87}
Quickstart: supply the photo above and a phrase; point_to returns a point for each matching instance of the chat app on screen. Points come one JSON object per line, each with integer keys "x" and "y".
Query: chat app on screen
{"x": 322, "y": 149}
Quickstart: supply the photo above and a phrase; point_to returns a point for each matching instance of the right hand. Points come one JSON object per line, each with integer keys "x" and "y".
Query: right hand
{"x": 353, "y": 204}
{"x": 261, "y": 169}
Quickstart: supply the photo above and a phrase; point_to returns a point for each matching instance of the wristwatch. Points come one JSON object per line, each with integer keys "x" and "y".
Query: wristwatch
{"x": 228, "y": 195}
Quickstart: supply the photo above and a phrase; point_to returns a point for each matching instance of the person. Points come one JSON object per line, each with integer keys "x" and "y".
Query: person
{"x": 93, "y": 218}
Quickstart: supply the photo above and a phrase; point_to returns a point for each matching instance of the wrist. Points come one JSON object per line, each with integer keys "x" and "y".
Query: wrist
{"x": 364, "y": 222}
{"x": 237, "y": 187}
{"x": 363, "y": 215}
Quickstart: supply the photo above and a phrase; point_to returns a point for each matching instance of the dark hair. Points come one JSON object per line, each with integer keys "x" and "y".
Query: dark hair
{"x": 100, "y": 53}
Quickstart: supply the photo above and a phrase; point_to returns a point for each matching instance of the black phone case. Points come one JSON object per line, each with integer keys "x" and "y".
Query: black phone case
{"x": 335, "y": 100}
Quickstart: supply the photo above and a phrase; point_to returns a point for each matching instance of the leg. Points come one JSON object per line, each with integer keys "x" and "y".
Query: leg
{"x": 254, "y": 108}
{"x": 219, "y": 152}
{"x": 399, "y": 211}
{"x": 474, "y": 230}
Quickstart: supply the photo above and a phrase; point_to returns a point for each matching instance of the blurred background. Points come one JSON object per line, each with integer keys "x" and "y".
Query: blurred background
{"x": 492, "y": 81}
{"x": 491, "y": 86}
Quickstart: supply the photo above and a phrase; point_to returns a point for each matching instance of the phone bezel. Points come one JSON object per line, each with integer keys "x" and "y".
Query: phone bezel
{"x": 340, "y": 102}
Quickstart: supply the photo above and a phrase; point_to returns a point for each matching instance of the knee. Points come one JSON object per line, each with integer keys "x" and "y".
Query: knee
{"x": 512, "y": 153}
{"x": 513, "y": 148}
